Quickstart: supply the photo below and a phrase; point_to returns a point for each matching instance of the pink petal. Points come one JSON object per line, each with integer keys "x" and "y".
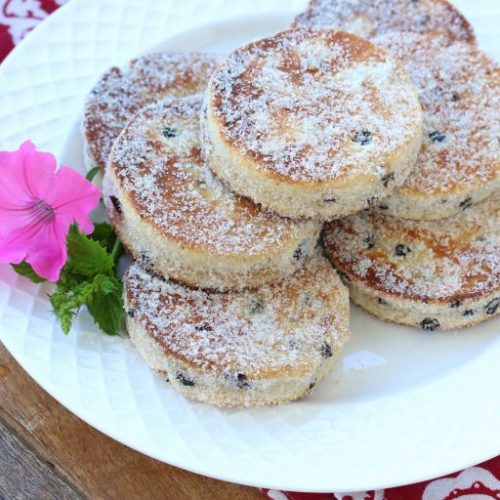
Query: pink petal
{"x": 26, "y": 231}
{"x": 49, "y": 254}
{"x": 23, "y": 174}
{"x": 13, "y": 255}
{"x": 12, "y": 220}
{"x": 39, "y": 170}
{"x": 73, "y": 196}
{"x": 42, "y": 244}
{"x": 14, "y": 188}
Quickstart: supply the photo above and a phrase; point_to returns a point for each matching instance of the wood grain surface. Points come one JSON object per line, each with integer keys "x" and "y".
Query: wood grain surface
{"x": 48, "y": 453}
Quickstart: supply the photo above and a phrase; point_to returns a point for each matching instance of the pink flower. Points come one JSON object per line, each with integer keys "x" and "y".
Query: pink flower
{"x": 38, "y": 204}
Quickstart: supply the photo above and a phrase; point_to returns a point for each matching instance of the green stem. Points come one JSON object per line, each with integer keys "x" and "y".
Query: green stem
{"x": 117, "y": 250}
{"x": 92, "y": 173}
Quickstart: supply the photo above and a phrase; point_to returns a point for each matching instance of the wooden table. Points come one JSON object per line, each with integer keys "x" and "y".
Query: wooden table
{"x": 48, "y": 453}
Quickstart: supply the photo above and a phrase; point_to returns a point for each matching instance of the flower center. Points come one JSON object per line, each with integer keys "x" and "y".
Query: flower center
{"x": 41, "y": 209}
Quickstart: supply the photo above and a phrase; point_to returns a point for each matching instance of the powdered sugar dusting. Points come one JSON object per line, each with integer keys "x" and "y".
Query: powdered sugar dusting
{"x": 459, "y": 90}
{"x": 276, "y": 328}
{"x": 452, "y": 258}
{"x": 372, "y": 17}
{"x": 298, "y": 102}
{"x": 118, "y": 95}
{"x": 158, "y": 162}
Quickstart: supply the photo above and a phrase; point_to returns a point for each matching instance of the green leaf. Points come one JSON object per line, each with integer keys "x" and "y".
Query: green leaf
{"x": 89, "y": 279}
{"x": 25, "y": 269}
{"x": 86, "y": 256}
{"x": 68, "y": 280}
{"x": 92, "y": 173}
{"x": 66, "y": 303}
{"x": 104, "y": 234}
{"x": 106, "y": 304}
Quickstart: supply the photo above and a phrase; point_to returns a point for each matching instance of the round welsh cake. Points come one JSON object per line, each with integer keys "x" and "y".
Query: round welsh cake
{"x": 459, "y": 162}
{"x": 430, "y": 274}
{"x": 369, "y": 18}
{"x": 179, "y": 220}
{"x": 315, "y": 124}
{"x": 118, "y": 95}
{"x": 252, "y": 348}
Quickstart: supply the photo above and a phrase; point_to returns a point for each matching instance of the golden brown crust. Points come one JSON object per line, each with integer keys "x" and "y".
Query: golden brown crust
{"x": 120, "y": 94}
{"x": 315, "y": 124}
{"x": 309, "y": 106}
{"x": 431, "y": 262}
{"x": 369, "y": 18}
{"x": 158, "y": 164}
{"x": 179, "y": 220}
{"x": 275, "y": 331}
{"x": 459, "y": 89}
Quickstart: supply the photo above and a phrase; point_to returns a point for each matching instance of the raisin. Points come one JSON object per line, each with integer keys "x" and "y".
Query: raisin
{"x": 467, "y": 203}
{"x": 429, "y": 324}
{"x": 116, "y": 204}
{"x": 343, "y": 276}
{"x": 326, "y": 350}
{"x": 370, "y": 241}
{"x": 242, "y": 381}
{"x": 299, "y": 251}
{"x": 437, "y": 136}
{"x": 203, "y": 328}
{"x": 381, "y": 301}
{"x": 455, "y": 97}
{"x": 372, "y": 201}
{"x": 387, "y": 178}
{"x": 131, "y": 313}
{"x": 492, "y": 306}
{"x": 257, "y": 307}
{"x": 169, "y": 132}
{"x": 455, "y": 304}
{"x": 321, "y": 241}
{"x": 468, "y": 312}
{"x": 306, "y": 300}
{"x": 362, "y": 137}
{"x": 402, "y": 250}
{"x": 383, "y": 206}
{"x": 184, "y": 380}
{"x": 311, "y": 385}
{"x": 329, "y": 200}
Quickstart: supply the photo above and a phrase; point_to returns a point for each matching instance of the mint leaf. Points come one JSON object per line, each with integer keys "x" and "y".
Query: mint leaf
{"x": 106, "y": 304}
{"x": 92, "y": 173}
{"x": 66, "y": 303}
{"x": 103, "y": 297}
{"x": 104, "y": 234}
{"x": 68, "y": 280}
{"x": 89, "y": 279}
{"x": 86, "y": 256}
{"x": 25, "y": 269}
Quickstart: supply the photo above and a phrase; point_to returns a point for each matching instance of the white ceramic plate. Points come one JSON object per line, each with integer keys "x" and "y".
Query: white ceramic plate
{"x": 410, "y": 406}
